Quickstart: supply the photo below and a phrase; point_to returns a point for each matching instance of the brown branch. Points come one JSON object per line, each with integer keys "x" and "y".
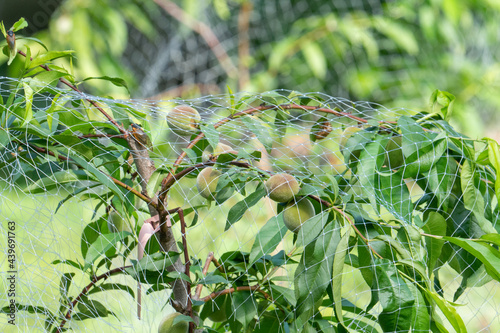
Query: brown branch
{"x": 111, "y": 136}
{"x": 187, "y": 265}
{"x": 138, "y": 194}
{"x": 94, "y": 103}
{"x": 45, "y": 151}
{"x": 94, "y": 280}
{"x": 244, "y": 43}
{"x": 199, "y": 287}
{"x": 232, "y": 290}
{"x": 204, "y": 31}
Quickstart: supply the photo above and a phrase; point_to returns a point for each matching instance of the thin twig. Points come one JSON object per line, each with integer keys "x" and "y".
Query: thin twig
{"x": 204, "y": 31}
{"x": 351, "y": 222}
{"x": 199, "y": 287}
{"x": 138, "y": 194}
{"x": 94, "y": 280}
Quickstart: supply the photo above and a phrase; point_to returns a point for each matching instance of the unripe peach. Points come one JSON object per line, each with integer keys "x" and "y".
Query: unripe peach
{"x": 167, "y": 324}
{"x": 296, "y": 213}
{"x": 183, "y": 120}
{"x": 206, "y": 182}
{"x": 220, "y": 149}
{"x": 282, "y": 187}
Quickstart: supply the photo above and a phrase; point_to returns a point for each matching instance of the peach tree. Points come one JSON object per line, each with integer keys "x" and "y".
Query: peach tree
{"x": 388, "y": 197}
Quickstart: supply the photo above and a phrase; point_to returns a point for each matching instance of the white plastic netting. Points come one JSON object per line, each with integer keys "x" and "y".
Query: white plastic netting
{"x": 59, "y": 155}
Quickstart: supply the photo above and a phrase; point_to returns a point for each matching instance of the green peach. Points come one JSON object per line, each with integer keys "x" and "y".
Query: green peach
{"x": 282, "y": 187}
{"x": 183, "y": 120}
{"x": 206, "y": 182}
{"x": 296, "y": 213}
{"x": 167, "y": 324}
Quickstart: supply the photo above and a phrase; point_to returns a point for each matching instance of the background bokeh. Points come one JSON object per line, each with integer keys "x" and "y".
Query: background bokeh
{"x": 391, "y": 52}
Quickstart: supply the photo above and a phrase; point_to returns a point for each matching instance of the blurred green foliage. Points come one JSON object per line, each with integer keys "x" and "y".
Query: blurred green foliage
{"x": 392, "y": 53}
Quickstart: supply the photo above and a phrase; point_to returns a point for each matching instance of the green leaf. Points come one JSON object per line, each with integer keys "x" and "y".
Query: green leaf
{"x": 238, "y": 210}
{"x": 2, "y": 29}
{"x": 102, "y": 244}
{"x": 338, "y": 269}
{"x": 310, "y": 230}
{"x": 401, "y": 35}
{"x": 152, "y": 269}
{"x": 370, "y": 160}
{"x": 414, "y": 136}
{"x": 494, "y": 157}
{"x": 421, "y": 319}
{"x": 391, "y": 192}
{"x": 395, "y": 296}
{"x": 104, "y": 179}
{"x": 68, "y": 262}
{"x": 49, "y": 56}
{"x": 90, "y": 308}
{"x": 211, "y": 134}
{"x": 114, "y": 80}
{"x": 314, "y": 271}
{"x": 262, "y": 130}
{"x": 65, "y": 284}
{"x": 36, "y": 40}
{"x": 112, "y": 286}
{"x": 442, "y": 102}
{"x": 448, "y": 310}
{"x": 212, "y": 279}
{"x": 268, "y": 238}
{"x": 472, "y": 196}
{"x": 243, "y": 307}
{"x": 425, "y": 158}
{"x": 435, "y": 224}
{"x": 28, "y": 111}
{"x": 487, "y": 254}
{"x": 20, "y": 24}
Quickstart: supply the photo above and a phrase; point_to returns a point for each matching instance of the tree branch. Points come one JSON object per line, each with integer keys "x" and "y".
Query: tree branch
{"x": 85, "y": 290}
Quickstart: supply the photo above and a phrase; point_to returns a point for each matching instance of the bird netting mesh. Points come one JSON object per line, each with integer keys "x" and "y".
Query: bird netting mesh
{"x": 295, "y": 211}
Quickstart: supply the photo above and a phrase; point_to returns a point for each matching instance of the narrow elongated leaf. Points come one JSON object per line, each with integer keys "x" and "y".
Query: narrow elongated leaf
{"x": 262, "y": 131}
{"x": 448, "y": 310}
{"x": 211, "y": 134}
{"x": 49, "y": 56}
{"x": 434, "y": 225}
{"x": 338, "y": 268}
{"x": 114, "y": 80}
{"x": 395, "y": 296}
{"x": 472, "y": 196}
{"x": 494, "y": 157}
{"x": 238, "y": 210}
{"x": 268, "y": 238}
{"x": 314, "y": 272}
{"x": 244, "y": 307}
{"x": 392, "y": 192}
{"x": 310, "y": 230}
{"x": 488, "y": 255}
{"x": 103, "y": 243}
{"x": 104, "y": 179}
